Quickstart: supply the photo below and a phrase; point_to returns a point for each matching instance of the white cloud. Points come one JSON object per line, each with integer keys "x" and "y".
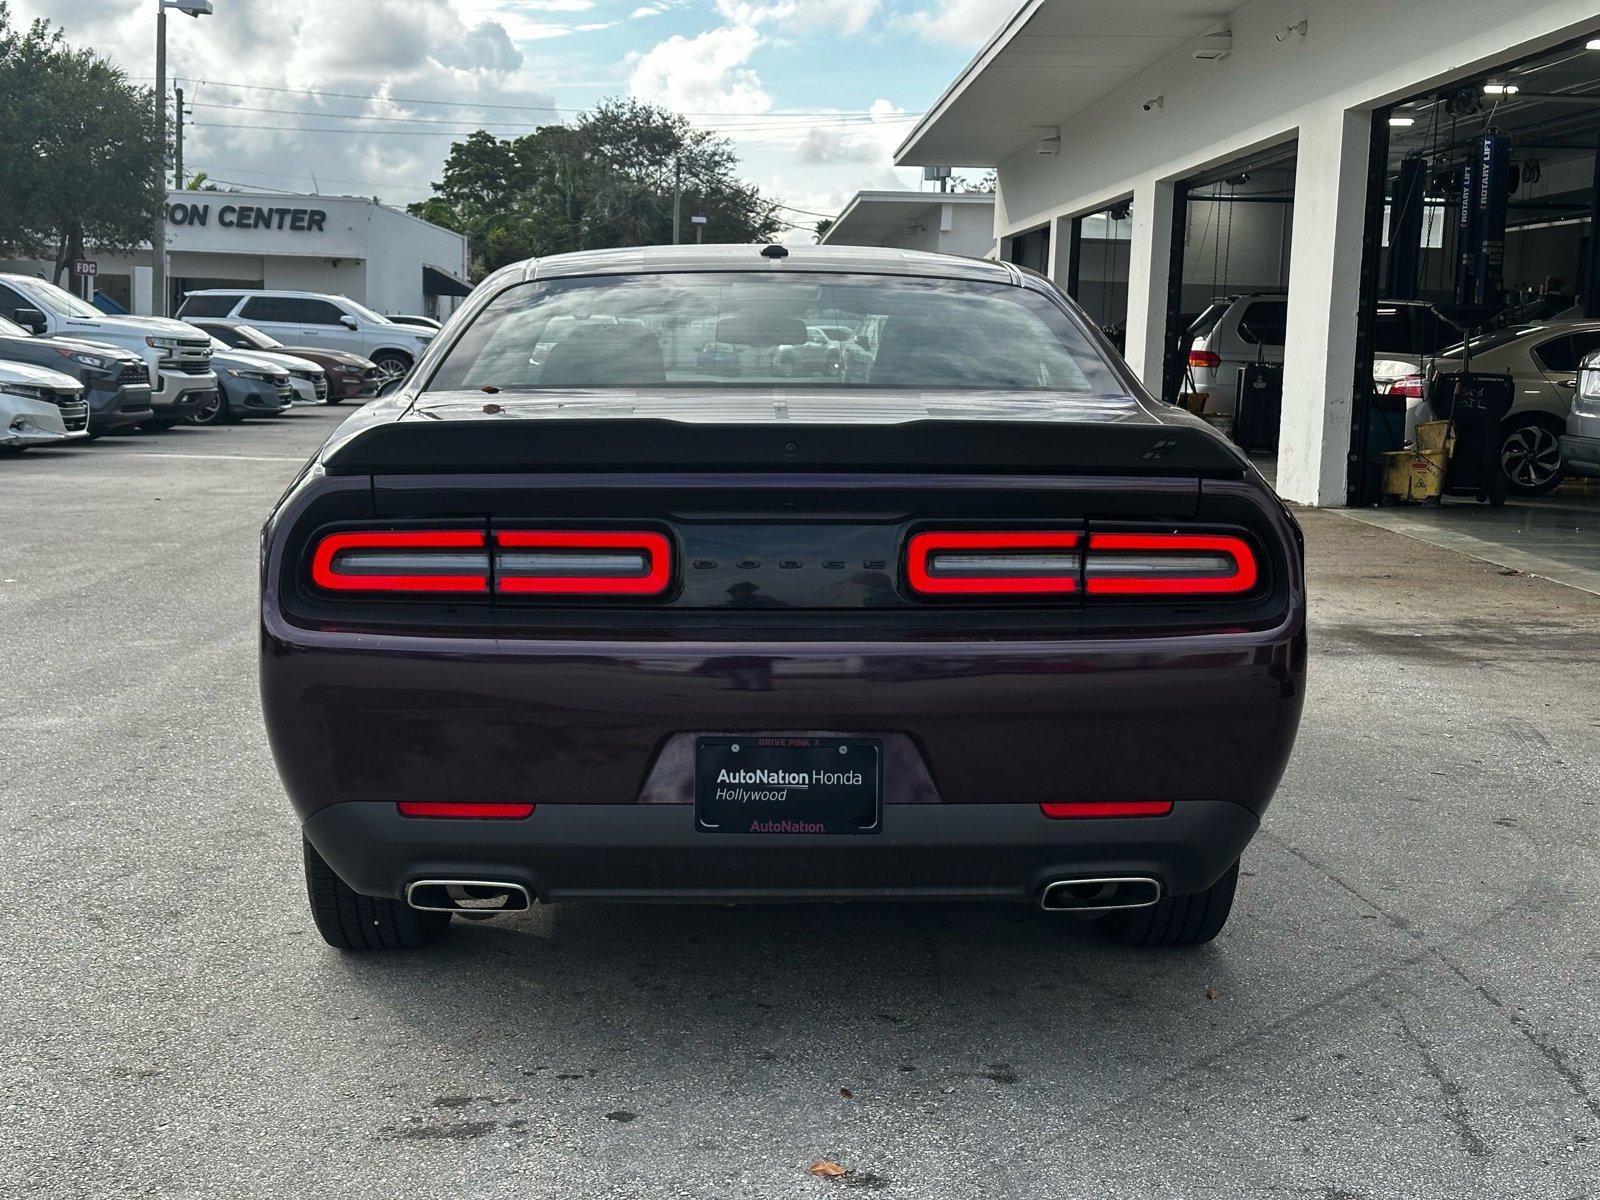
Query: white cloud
{"x": 452, "y": 50}
{"x": 707, "y": 73}
{"x": 645, "y": 10}
{"x": 801, "y": 16}
{"x": 962, "y": 22}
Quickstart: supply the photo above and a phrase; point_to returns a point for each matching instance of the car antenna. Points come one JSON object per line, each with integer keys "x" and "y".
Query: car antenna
{"x": 774, "y": 251}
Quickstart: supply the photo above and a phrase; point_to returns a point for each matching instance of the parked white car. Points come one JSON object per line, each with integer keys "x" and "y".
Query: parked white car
{"x": 314, "y": 319}
{"x": 1237, "y": 331}
{"x": 39, "y": 407}
{"x": 1542, "y": 359}
{"x": 178, "y": 355}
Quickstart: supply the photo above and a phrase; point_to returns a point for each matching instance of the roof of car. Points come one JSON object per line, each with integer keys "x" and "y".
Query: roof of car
{"x": 871, "y": 260}
{"x": 243, "y": 292}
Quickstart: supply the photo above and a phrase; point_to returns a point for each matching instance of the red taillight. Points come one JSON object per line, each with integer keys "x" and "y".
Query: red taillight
{"x": 437, "y": 560}
{"x": 582, "y": 563}
{"x": 988, "y": 564}
{"x": 1108, "y": 808}
{"x": 445, "y": 808}
{"x": 1410, "y": 386}
{"x": 1207, "y": 359}
{"x": 1145, "y": 564}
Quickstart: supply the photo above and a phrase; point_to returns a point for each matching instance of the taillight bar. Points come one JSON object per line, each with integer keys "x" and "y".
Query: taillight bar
{"x": 434, "y": 560}
{"x": 465, "y": 810}
{"x": 1169, "y": 564}
{"x": 1087, "y": 809}
{"x": 994, "y": 563}
{"x": 572, "y": 562}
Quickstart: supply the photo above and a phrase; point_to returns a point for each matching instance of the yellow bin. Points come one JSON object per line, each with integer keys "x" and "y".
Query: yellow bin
{"x": 1414, "y": 475}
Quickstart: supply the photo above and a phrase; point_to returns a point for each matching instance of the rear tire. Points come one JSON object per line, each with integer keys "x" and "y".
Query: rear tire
{"x": 1177, "y": 920}
{"x": 349, "y": 921}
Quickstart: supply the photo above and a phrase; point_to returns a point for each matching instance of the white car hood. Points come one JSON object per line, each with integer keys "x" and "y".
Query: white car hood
{"x": 12, "y": 372}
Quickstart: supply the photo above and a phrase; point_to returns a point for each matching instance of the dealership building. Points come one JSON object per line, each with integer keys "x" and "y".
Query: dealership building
{"x": 1336, "y": 156}
{"x": 380, "y": 256}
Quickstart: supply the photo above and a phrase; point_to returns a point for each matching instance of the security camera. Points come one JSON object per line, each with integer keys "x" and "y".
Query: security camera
{"x": 1158, "y": 102}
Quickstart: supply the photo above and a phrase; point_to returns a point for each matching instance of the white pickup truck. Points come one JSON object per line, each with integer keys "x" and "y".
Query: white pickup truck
{"x": 179, "y": 355}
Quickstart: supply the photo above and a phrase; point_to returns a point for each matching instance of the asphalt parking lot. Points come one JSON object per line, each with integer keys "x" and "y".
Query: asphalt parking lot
{"x": 1406, "y": 1002}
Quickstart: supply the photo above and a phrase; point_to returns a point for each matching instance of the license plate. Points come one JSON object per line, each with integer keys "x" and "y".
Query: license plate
{"x": 787, "y": 784}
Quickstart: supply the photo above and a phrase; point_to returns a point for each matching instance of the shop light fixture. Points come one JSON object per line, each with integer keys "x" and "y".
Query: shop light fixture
{"x": 1500, "y": 89}
{"x": 1402, "y": 122}
{"x": 1593, "y": 45}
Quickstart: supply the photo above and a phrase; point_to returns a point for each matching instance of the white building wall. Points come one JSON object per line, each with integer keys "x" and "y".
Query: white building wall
{"x": 338, "y": 277}
{"x": 1275, "y": 86}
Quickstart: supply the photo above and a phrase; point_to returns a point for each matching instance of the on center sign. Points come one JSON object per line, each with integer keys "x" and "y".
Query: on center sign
{"x": 85, "y": 266}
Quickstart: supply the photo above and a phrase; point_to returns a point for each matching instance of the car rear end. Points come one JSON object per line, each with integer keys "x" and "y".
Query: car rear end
{"x": 749, "y": 647}
{"x": 1580, "y": 443}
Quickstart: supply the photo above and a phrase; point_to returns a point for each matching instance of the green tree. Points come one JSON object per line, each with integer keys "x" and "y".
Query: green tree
{"x": 78, "y": 151}
{"x": 605, "y": 180}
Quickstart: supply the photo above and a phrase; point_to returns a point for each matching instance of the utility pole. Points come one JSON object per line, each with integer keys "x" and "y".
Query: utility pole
{"x": 177, "y": 170}
{"x": 158, "y": 236}
{"x": 158, "y": 230}
{"x": 677, "y": 195}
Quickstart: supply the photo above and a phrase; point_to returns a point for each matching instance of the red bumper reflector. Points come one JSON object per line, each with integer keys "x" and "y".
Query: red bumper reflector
{"x": 432, "y": 808}
{"x": 989, "y": 564}
{"x": 1173, "y": 564}
{"x": 400, "y": 561}
{"x": 1109, "y": 808}
{"x": 582, "y": 563}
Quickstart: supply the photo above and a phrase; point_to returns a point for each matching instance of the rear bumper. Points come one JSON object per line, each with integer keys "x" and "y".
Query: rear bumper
{"x": 653, "y": 852}
{"x": 362, "y": 717}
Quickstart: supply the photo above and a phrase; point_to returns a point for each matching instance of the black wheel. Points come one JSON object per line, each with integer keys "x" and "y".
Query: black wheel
{"x": 1530, "y": 455}
{"x": 1177, "y": 920}
{"x": 214, "y": 411}
{"x": 350, "y": 921}
{"x": 392, "y": 364}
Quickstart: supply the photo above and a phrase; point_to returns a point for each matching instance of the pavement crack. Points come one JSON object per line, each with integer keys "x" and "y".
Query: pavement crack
{"x": 1332, "y": 876}
{"x": 1552, "y": 1054}
{"x": 1455, "y": 1105}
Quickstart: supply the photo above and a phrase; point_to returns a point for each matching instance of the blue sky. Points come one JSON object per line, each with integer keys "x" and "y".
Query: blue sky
{"x": 296, "y": 94}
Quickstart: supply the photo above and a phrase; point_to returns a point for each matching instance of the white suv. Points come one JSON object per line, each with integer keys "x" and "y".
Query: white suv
{"x": 1236, "y": 331}
{"x": 317, "y": 320}
{"x": 179, "y": 355}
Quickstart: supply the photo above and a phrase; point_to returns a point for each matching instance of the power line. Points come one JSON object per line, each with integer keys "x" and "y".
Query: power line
{"x": 842, "y": 122}
{"x": 261, "y": 87}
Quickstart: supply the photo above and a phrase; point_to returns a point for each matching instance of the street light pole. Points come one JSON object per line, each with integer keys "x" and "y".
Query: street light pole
{"x": 158, "y": 237}
{"x": 158, "y": 231}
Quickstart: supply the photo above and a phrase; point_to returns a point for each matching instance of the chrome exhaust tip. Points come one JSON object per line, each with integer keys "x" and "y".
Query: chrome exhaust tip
{"x": 473, "y": 896}
{"x": 1100, "y": 895}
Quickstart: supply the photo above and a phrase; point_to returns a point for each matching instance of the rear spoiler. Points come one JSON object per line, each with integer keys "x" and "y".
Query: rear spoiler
{"x": 624, "y": 444}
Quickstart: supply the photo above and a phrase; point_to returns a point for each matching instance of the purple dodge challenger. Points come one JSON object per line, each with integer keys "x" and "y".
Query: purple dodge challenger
{"x": 967, "y": 615}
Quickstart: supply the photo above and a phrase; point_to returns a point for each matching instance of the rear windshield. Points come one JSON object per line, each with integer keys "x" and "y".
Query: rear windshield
{"x": 730, "y": 330}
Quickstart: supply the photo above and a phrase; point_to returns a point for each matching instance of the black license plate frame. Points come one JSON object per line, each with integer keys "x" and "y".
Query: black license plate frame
{"x": 778, "y": 784}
